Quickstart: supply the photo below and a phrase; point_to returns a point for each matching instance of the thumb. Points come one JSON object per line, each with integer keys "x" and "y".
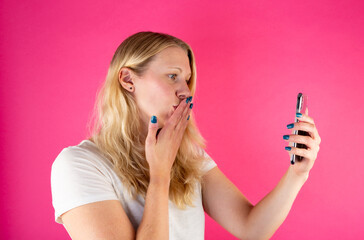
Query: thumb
{"x": 152, "y": 130}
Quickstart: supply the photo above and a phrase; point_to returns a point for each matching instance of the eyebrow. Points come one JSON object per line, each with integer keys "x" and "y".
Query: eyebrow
{"x": 179, "y": 69}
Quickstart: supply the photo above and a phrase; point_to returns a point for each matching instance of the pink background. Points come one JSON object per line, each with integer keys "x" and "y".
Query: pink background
{"x": 253, "y": 57}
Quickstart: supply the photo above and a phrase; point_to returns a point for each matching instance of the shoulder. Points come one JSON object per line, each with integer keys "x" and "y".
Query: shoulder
{"x": 76, "y": 164}
{"x": 79, "y": 156}
{"x": 79, "y": 175}
{"x": 208, "y": 163}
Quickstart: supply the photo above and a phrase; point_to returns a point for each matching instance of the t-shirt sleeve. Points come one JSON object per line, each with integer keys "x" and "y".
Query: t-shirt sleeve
{"x": 209, "y": 163}
{"x": 76, "y": 180}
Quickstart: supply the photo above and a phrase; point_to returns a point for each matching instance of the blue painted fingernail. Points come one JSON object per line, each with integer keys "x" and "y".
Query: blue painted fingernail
{"x": 189, "y": 99}
{"x": 191, "y": 105}
{"x": 188, "y": 117}
{"x": 298, "y": 115}
{"x": 290, "y": 125}
{"x": 154, "y": 119}
{"x": 288, "y": 148}
{"x": 285, "y": 137}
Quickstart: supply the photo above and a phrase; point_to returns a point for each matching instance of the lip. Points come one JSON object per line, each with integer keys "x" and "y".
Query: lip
{"x": 175, "y": 107}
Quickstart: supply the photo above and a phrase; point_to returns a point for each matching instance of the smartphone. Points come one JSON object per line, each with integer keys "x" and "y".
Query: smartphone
{"x": 301, "y": 106}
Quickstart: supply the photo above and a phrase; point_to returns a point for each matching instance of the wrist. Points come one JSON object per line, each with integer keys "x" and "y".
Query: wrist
{"x": 160, "y": 177}
{"x": 298, "y": 177}
{"x": 158, "y": 170}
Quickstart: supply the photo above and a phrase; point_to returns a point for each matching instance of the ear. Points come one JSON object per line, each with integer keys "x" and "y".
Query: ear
{"x": 126, "y": 79}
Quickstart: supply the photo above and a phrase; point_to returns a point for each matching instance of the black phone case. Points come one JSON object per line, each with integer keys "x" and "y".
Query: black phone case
{"x": 300, "y": 145}
{"x": 302, "y": 103}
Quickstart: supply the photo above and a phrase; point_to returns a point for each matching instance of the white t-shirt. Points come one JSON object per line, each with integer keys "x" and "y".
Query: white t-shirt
{"x": 81, "y": 175}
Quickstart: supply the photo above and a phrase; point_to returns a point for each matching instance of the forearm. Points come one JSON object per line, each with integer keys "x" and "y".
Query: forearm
{"x": 155, "y": 224}
{"x": 267, "y": 215}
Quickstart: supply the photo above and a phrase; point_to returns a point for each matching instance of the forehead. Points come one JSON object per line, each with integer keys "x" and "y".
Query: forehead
{"x": 172, "y": 57}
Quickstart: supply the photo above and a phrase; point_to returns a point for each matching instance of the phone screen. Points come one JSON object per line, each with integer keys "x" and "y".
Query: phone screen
{"x": 301, "y": 105}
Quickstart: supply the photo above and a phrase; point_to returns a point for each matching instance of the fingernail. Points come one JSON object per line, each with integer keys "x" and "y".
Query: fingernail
{"x": 285, "y": 137}
{"x": 154, "y": 119}
{"x": 290, "y": 125}
{"x": 298, "y": 115}
{"x": 188, "y": 117}
{"x": 189, "y": 99}
{"x": 191, "y": 105}
{"x": 288, "y": 148}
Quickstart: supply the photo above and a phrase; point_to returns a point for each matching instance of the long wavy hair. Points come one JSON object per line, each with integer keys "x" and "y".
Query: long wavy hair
{"x": 116, "y": 123}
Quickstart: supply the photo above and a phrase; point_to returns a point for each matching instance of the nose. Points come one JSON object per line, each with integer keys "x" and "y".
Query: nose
{"x": 183, "y": 93}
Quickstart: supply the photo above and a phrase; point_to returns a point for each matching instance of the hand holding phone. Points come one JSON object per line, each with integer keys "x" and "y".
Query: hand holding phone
{"x": 301, "y": 106}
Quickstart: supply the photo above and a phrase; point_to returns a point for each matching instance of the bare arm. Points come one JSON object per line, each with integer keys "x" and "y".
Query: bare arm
{"x": 270, "y": 212}
{"x": 265, "y": 218}
{"x": 161, "y": 152}
{"x": 155, "y": 224}
{"x": 229, "y": 207}
{"x": 98, "y": 220}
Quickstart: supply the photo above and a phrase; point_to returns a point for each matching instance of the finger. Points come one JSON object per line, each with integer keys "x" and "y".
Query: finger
{"x": 305, "y": 118}
{"x": 185, "y": 110}
{"x": 152, "y": 131}
{"x": 176, "y": 116}
{"x": 316, "y": 135}
{"x": 307, "y": 140}
{"x": 181, "y": 126}
{"x": 299, "y": 151}
{"x": 311, "y": 128}
{"x": 303, "y": 126}
{"x": 184, "y": 125}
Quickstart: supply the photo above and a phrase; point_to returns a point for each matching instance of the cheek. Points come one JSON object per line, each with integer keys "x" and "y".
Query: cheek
{"x": 160, "y": 103}
{"x": 156, "y": 98}
{"x": 162, "y": 98}
{"x": 158, "y": 95}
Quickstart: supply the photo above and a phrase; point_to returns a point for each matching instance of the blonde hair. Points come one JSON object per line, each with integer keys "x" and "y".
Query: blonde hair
{"x": 117, "y": 124}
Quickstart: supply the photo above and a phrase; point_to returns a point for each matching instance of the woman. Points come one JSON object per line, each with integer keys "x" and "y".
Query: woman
{"x": 144, "y": 173}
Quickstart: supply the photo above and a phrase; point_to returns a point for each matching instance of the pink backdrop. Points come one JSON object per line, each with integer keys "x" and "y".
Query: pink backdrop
{"x": 253, "y": 57}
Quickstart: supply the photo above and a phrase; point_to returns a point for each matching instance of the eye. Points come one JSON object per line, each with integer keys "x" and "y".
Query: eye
{"x": 173, "y": 75}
